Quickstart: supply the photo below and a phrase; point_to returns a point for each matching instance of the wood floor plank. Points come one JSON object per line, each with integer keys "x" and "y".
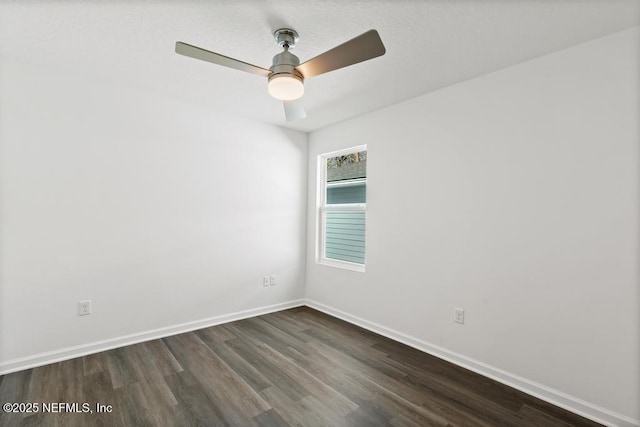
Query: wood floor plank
{"x": 296, "y": 367}
{"x": 285, "y": 325}
{"x": 478, "y": 409}
{"x": 302, "y": 412}
{"x": 470, "y": 390}
{"x": 321, "y": 321}
{"x": 223, "y": 386}
{"x": 98, "y": 389}
{"x": 284, "y": 406}
{"x": 321, "y": 391}
{"x": 534, "y": 417}
{"x": 246, "y": 370}
{"x": 357, "y": 387}
{"x": 418, "y": 402}
{"x": 557, "y": 412}
{"x": 368, "y": 414}
{"x": 71, "y": 377}
{"x": 149, "y": 402}
{"x": 93, "y": 363}
{"x": 157, "y": 360}
{"x": 197, "y": 408}
{"x": 120, "y": 368}
{"x": 270, "y": 418}
{"x": 290, "y": 386}
{"x": 14, "y": 387}
{"x": 263, "y": 332}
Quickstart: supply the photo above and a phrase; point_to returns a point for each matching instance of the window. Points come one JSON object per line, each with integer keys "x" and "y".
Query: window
{"x": 342, "y": 208}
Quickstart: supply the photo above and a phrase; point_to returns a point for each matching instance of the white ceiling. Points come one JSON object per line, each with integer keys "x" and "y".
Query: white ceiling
{"x": 430, "y": 45}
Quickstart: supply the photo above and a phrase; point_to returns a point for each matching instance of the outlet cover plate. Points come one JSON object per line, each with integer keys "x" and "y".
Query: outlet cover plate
{"x": 458, "y": 315}
{"x": 84, "y": 308}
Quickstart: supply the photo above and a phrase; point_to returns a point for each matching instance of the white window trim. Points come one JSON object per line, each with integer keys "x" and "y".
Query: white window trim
{"x": 321, "y": 210}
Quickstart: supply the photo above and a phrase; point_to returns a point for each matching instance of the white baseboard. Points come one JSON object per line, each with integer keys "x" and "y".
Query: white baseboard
{"x": 555, "y": 397}
{"x": 97, "y": 346}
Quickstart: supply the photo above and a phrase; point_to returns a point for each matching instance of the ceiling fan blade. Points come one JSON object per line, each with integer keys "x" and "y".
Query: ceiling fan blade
{"x": 294, "y": 110}
{"x": 366, "y": 46}
{"x": 205, "y": 55}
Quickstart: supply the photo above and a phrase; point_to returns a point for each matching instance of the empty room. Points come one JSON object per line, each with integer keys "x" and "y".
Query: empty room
{"x": 320, "y": 213}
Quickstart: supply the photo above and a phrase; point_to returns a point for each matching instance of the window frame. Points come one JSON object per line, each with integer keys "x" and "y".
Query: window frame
{"x": 322, "y": 208}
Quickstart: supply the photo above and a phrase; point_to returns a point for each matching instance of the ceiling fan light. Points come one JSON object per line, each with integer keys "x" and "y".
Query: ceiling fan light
{"x": 285, "y": 87}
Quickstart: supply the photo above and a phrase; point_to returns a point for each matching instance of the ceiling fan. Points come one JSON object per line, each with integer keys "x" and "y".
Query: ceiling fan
{"x": 286, "y": 75}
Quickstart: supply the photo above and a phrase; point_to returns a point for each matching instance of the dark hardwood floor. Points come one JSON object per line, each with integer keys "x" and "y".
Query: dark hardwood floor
{"x": 295, "y": 367}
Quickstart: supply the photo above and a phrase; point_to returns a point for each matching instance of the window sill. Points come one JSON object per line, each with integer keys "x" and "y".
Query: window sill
{"x": 341, "y": 264}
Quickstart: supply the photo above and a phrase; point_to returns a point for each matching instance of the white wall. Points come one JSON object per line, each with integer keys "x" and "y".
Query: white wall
{"x": 160, "y": 212}
{"x": 516, "y": 197}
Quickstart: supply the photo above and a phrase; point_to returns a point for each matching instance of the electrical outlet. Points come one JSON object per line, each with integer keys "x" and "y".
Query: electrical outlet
{"x": 266, "y": 281}
{"x": 272, "y": 280}
{"x": 458, "y": 315}
{"x": 84, "y": 308}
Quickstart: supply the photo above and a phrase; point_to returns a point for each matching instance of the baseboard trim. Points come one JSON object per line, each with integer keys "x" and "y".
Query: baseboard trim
{"x": 555, "y": 397}
{"x": 98, "y": 346}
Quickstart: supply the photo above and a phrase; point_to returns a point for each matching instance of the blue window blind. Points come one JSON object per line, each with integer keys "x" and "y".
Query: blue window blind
{"x": 344, "y": 233}
{"x": 347, "y": 194}
{"x": 345, "y": 228}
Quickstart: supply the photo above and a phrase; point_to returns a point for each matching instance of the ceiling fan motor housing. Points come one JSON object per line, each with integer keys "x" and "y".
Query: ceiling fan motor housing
{"x": 285, "y": 63}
